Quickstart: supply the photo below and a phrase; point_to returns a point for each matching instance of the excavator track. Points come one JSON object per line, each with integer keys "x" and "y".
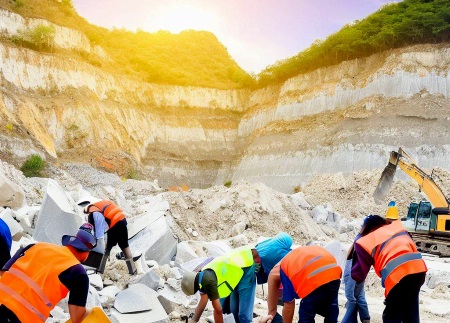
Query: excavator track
{"x": 435, "y": 245}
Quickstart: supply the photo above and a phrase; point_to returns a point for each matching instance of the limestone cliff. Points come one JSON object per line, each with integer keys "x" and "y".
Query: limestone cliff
{"x": 338, "y": 119}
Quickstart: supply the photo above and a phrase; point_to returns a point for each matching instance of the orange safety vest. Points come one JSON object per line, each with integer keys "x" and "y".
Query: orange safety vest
{"x": 309, "y": 268}
{"x": 110, "y": 211}
{"x": 31, "y": 287}
{"x": 395, "y": 254}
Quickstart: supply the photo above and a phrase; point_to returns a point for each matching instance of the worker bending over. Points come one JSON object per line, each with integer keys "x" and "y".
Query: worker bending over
{"x": 231, "y": 275}
{"x": 107, "y": 217}
{"x": 41, "y": 274}
{"x": 312, "y": 274}
{"x": 394, "y": 256}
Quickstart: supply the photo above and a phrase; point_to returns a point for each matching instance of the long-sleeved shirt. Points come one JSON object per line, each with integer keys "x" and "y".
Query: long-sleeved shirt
{"x": 362, "y": 262}
{"x": 99, "y": 223}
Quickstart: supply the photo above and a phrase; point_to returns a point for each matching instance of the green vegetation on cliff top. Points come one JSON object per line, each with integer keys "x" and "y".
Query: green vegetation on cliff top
{"x": 393, "y": 26}
{"x": 190, "y": 58}
{"x": 197, "y": 58}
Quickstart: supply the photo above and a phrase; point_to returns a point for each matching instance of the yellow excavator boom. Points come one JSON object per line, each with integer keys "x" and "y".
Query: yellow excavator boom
{"x": 408, "y": 165}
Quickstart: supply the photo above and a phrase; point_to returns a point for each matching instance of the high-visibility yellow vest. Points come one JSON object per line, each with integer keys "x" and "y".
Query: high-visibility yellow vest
{"x": 228, "y": 269}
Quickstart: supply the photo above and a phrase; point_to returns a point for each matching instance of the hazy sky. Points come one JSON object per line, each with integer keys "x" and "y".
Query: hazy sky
{"x": 256, "y": 33}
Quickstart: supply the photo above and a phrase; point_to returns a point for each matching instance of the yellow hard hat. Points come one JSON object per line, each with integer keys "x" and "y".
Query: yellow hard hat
{"x": 392, "y": 211}
{"x": 188, "y": 283}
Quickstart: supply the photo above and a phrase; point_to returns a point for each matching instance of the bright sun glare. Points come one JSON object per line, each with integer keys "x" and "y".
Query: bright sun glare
{"x": 181, "y": 17}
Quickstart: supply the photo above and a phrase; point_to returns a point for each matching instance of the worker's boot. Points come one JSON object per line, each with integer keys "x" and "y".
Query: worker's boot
{"x": 101, "y": 268}
{"x": 129, "y": 261}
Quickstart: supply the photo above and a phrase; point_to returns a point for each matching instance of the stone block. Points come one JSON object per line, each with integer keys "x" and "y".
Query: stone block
{"x": 27, "y": 217}
{"x": 96, "y": 281}
{"x": 141, "y": 222}
{"x": 8, "y": 216}
{"x": 150, "y": 279}
{"x": 299, "y": 199}
{"x": 185, "y": 252}
{"x": 171, "y": 298}
{"x": 320, "y": 214}
{"x": 217, "y": 248}
{"x": 338, "y": 251}
{"x": 110, "y": 291}
{"x": 11, "y": 194}
{"x": 57, "y": 216}
{"x": 155, "y": 242}
{"x": 138, "y": 303}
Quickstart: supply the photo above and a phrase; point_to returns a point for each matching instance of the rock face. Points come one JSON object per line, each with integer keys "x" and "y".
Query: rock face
{"x": 342, "y": 118}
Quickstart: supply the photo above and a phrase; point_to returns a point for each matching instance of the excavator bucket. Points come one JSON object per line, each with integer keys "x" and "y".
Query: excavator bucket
{"x": 386, "y": 179}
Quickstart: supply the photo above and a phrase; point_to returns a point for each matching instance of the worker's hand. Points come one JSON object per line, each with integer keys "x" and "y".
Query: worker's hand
{"x": 266, "y": 319}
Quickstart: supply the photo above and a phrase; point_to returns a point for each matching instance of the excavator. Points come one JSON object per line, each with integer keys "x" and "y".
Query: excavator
{"x": 428, "y": 222}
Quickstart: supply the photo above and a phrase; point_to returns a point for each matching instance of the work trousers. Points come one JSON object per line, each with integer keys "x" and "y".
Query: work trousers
{"x": 322, "y": 301}
{"x": 354, "y": 304}
{"x": 240, "y": 302}
{"x": 7, "y": 316}
{"x": 402, "y": 302}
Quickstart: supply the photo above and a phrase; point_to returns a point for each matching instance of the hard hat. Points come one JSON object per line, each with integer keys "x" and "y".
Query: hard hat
{"x": 83, "y": 241}
{"x": 188, "y": 283}
{"x": 392, "y": 211}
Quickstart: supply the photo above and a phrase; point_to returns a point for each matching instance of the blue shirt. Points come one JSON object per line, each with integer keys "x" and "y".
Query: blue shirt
{"x": 100, "y": 225}
{"x": 289, "y": 292}
{"x": 5, "y": 243}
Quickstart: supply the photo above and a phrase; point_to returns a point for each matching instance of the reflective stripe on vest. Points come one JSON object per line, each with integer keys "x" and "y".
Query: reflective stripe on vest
{"x": 323, "y": 268}
{"x": 310, "y": 267}
{"x": 32, "y": 284}
{"x": 400, "y": 260}
{"x": 387, "y": 241}
{"x": 31, "y": 287}
{"x": 22, "y": 301}
{"x": 394, "y": 253}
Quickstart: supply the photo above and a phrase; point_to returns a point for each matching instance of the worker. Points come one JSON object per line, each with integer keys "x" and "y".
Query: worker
{"x": 5, "y": 243}
{"x": 269, "y": 252}
{"x": 391, "y": 212}
{"x": 354, "y": 304}
{"x": 310, "y": 273}
{"x": 41, "y": 274}
{"x": 231, "y": 275}
{"x": 107, "y": 217}
{"x": 394, "y": 256}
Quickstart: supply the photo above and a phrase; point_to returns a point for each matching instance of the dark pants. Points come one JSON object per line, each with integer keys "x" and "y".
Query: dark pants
{"x": 322, "y": 301}
{"x": 402, "y": 302}
{"x": 118, "y": 234}
{"x": 6, "y": 316}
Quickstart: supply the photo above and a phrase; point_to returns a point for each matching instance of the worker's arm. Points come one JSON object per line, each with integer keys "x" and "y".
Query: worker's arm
{"x": 218, "y": 317}
{"x": 288, "y": 311}
{"x": 273, "y": 286}
{"x": 200, "y": 307}
{"x": 362, "y": 262}
{"x": 78, "y": 313}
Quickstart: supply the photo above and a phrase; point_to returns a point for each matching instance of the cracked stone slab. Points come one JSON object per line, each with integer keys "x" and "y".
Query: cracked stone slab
{"x": 136, "y": 298}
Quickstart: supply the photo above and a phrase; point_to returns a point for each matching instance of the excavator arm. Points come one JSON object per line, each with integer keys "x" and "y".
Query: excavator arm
{"x": 408, "y": 165}
{"x": 433, "y": 235}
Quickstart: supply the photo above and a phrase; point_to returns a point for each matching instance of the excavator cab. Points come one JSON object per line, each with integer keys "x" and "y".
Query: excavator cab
{"x": 419, "y": 217}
